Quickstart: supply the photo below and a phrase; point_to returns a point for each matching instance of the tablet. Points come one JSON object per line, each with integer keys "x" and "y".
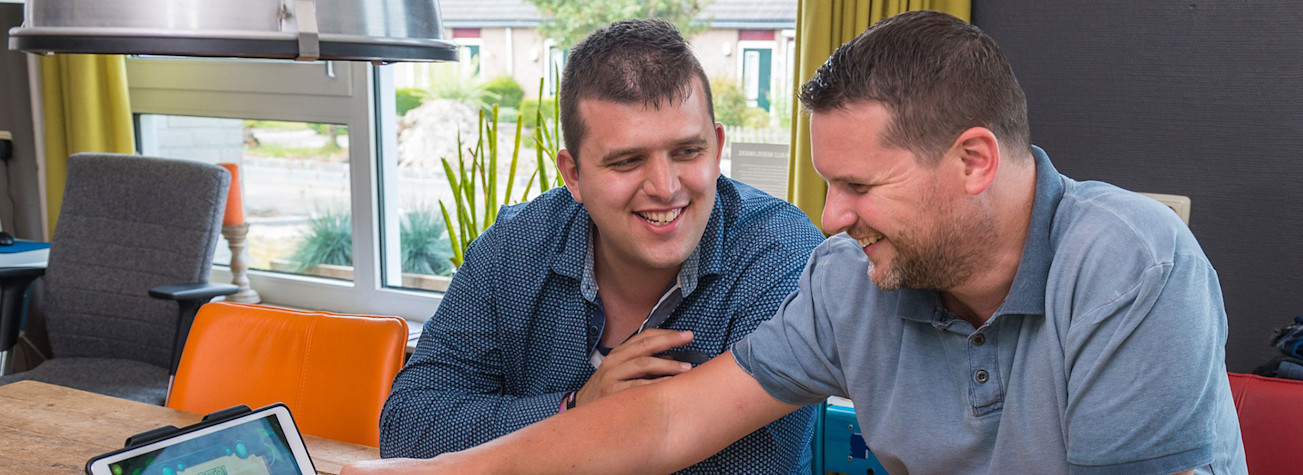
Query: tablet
{"x": 264, "y": 441}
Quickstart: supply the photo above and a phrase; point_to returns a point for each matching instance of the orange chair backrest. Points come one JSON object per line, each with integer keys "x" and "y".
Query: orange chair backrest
{"x": 1270, "y": 422}
{"x": 333, "y": 371}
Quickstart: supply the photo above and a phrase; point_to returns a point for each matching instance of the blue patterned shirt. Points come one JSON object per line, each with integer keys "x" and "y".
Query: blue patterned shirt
{"x": 511, "y": 336}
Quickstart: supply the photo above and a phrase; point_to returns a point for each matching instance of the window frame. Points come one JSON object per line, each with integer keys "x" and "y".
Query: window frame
{"x": 358, "y": 95}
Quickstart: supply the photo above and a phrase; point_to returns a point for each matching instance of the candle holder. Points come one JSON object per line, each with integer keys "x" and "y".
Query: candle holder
{"x": 235, "y": 236}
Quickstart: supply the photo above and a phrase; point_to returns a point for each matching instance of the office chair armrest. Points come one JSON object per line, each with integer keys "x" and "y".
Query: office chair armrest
{"x": 14, "y": 282}
{"x": 202, "y": 292}
{"x": 188, "y": 297}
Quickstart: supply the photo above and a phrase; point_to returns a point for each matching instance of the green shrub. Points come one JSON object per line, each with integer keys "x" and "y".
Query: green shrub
{"x": 409, "y": 98}
{"x": 508, "y": 115}
{"x": 507, "y": 92}
{"x": 424, "y": 240}
{"x": 529, "y": 111}
{"x": 452, "y": 81}
{"x": 782, "y": 106}
{"x": 731, "y": 105}
{"x": 274, "y": 124}
{"x": 329, "y": 241}
{"x": 423, "y": 237}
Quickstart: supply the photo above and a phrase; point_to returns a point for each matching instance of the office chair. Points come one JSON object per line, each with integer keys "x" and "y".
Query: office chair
{"x": 1270, "y": 421}
{"x": 333, "y": 371}
{"x": 130, "y": 228}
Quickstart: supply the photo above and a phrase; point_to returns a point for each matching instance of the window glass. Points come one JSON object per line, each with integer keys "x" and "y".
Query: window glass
{"x": 295, "y": 186}
{"x": 334, "y": 151}
{"x": 465, "y": 127}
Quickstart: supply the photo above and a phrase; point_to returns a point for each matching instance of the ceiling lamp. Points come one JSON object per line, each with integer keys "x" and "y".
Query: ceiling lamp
{"x": 305, "y": 30}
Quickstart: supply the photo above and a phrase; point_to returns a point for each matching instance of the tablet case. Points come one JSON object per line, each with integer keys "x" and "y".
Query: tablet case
{"x": 154, "y": 435}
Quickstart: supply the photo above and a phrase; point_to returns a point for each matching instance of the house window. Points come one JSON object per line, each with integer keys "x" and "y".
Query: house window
{"x": 757, "y": 58}
{"x": 470, "y": 41}
{"x": 556, "y": 63}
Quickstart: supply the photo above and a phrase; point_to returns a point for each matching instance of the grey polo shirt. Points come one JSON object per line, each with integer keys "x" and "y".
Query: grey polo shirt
{"x": 1107, "y": 356}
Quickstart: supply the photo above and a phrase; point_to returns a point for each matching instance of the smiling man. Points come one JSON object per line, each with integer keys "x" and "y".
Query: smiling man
{"x": 561, "y": 301}
{"x": 985, "y": 313}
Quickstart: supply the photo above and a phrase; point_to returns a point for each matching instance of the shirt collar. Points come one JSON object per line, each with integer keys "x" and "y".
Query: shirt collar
{"x": 576, "y": 257}
{"x": 1027, "y": 294}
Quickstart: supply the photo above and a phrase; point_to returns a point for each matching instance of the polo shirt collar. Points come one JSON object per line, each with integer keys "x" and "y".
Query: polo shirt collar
{"x": 1027, "y": 294}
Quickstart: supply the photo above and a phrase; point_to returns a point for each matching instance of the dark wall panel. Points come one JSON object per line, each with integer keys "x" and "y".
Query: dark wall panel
{"x": 1198, "y": 98}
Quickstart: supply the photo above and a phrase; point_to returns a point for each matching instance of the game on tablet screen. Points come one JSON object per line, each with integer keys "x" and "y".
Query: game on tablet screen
{"x": 255, "y": 448}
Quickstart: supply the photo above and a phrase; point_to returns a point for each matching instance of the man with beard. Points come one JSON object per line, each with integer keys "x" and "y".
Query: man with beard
{"x": 1013, "y": 320}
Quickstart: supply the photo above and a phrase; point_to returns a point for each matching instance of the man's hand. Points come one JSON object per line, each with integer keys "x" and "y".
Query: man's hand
{"x": 633, "y": 364}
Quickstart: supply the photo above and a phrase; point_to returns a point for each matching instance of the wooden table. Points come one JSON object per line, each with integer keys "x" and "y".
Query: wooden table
{"x": 46, "y": 428}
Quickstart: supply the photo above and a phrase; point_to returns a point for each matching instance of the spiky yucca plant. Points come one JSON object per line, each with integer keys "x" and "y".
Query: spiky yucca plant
{"x": 474, "y": 181}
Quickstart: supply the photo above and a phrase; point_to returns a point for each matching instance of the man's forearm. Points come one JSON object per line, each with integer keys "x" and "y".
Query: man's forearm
{"x": 659, "y": 427}
{"x": 425, "y": 423}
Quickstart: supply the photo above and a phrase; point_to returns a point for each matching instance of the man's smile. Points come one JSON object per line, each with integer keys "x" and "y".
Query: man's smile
{"x": 660, "y": 218}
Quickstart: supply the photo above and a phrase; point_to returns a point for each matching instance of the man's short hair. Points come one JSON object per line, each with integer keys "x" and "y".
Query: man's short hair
{"x": 641, "y": 60}
{"x": 935, "y": 74}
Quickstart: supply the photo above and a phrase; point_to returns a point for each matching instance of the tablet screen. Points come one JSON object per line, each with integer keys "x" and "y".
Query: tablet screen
{"x": 243, "y": 446}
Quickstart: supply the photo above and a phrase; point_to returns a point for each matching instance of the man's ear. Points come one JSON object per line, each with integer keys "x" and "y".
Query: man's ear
{"x": 719, "y": 143}
{"x": 569, "y": 168}
{"x": 979, "y": 152}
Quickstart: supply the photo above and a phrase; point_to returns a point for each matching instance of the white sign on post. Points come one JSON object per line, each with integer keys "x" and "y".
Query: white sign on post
{"x": 762, "y": 165}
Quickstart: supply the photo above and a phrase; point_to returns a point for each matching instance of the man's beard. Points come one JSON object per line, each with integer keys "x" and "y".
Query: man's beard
{"x": 945, "y": 258}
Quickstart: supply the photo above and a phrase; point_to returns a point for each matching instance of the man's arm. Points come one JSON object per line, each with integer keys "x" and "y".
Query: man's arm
{"x": 658, "y": 427}
{"x": 1146, "y": 378}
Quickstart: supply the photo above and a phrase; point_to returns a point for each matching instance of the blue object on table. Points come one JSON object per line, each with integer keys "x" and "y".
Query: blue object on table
{"x": 24, "y": 246}
{"x": 844, "y": 450}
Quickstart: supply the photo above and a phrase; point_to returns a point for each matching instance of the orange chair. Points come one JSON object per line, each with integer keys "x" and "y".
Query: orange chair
{"x": 333, "y": 371}
{"x": 1270, "y": 421}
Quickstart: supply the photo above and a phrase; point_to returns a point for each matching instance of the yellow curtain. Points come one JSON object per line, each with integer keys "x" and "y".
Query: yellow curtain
{"x": 822, "y": 26}
{"x": 86, "y": 110}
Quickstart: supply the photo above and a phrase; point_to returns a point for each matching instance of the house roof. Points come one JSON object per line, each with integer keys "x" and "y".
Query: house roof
{"x": 488, "y": 13}
{"x": 766, "y": 14}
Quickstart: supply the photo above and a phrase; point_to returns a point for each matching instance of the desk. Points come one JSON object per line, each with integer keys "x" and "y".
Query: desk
{"x": 46, "y": 428}
{"x": 17, "y": 269}
{"x": 33, "y": 258}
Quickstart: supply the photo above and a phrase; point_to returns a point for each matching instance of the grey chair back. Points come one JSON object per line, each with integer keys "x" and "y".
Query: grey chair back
{"x": 127, "y": 224}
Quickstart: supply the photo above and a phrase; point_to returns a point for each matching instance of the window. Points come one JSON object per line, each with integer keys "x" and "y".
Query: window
{"x": 469, "y": 39}
{"x": 757, "y": 56}
{"x": 556, "y": 63}
{"x": 313, "y": 153}
{"x": 345, "y": 187}
{"x": 295, "y": 179}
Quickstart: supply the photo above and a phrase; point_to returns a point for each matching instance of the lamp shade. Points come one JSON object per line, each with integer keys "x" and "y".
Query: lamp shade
{"x": 361, "y": 30}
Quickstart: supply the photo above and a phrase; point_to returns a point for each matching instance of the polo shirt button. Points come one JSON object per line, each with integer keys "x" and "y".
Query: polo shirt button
{"x": 981, "y": 376}
{"x": 592, "y": 330}
{"x": 979, "y": 339}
